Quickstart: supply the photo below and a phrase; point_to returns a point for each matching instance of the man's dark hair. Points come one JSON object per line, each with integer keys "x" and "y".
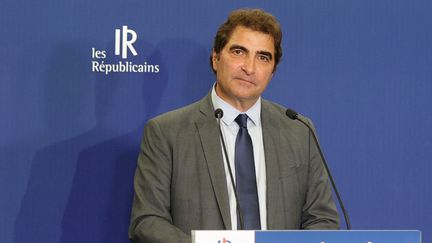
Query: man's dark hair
{"x": 255, "y": 19}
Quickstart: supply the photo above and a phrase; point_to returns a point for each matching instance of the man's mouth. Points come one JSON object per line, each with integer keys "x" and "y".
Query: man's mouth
{"x": 245, "y": 80}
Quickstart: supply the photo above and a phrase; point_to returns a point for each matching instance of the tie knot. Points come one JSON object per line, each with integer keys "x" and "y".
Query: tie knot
{"x": 242, "y": 120}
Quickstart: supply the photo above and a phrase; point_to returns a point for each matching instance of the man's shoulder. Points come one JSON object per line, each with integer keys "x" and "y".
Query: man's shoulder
{"x": 183, "y": 115}
{"x": 273, "y": 107}
{"x": 275, "y": 114}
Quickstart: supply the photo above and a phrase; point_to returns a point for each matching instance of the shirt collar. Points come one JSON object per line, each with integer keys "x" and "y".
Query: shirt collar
{"x": 230, "y": 113}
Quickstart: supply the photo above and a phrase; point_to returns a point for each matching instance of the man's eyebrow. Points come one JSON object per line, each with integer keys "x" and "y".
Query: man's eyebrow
{"x": 266, "y": 53}
{"x": 233, "y": 47}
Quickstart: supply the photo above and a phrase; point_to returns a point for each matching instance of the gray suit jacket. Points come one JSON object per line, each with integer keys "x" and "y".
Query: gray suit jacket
{"x": 180, "y": 183}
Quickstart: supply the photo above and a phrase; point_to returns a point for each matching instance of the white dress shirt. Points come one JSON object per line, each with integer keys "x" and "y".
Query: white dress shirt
{"x": 229, "y": 130}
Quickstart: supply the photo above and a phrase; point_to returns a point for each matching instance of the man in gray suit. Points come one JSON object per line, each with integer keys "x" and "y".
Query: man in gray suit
{"x": 183, "y": 180}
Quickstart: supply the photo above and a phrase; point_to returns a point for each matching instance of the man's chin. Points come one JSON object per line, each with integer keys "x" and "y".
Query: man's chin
{"x": 246, "y": 96}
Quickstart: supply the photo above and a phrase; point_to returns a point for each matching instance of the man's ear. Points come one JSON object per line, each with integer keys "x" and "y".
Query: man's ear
{"x": 215, "y": 59}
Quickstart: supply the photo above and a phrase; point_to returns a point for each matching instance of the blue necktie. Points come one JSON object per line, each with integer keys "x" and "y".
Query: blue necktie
{"x": 245, "y": 176}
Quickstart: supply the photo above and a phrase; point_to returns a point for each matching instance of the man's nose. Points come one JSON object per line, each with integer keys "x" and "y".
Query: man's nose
{"x": 249, "y": 65}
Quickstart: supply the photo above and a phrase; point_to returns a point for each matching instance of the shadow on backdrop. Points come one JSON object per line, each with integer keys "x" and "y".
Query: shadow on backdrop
{"x": 64, "y": 185}
{"x": 98, "y": 209}
{"x": 80, "y": 189}
{"x": 66, "y": 90}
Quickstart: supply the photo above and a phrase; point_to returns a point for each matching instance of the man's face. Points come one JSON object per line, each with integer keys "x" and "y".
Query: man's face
{"x": 244, "y": 67}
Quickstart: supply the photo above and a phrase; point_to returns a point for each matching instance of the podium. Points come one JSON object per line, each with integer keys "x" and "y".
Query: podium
{"x": 306, "y": 236}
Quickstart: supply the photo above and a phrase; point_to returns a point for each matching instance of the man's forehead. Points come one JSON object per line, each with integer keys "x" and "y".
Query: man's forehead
{"x": 251, "y": 38}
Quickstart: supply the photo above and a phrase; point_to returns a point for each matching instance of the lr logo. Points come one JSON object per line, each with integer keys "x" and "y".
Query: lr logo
{"x": 125, "y": 43}
{"x": 124, "y": 40}
{"x": 224, "y": 241}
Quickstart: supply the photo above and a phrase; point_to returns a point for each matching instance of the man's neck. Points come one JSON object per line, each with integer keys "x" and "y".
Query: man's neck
{"x": 240, "y": 104}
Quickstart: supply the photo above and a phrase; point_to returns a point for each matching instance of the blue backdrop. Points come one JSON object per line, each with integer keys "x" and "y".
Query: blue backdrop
{"x": 69, "y": 136}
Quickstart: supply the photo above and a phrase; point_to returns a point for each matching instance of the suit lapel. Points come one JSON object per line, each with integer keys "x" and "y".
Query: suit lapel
{"x": 210, "y": 142}
{"x": 271, "y": 139}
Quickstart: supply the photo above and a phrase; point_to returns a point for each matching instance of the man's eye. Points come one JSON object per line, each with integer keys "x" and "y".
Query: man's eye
{"x": 237, "y": 52}
{"x": 264, "y": 58}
